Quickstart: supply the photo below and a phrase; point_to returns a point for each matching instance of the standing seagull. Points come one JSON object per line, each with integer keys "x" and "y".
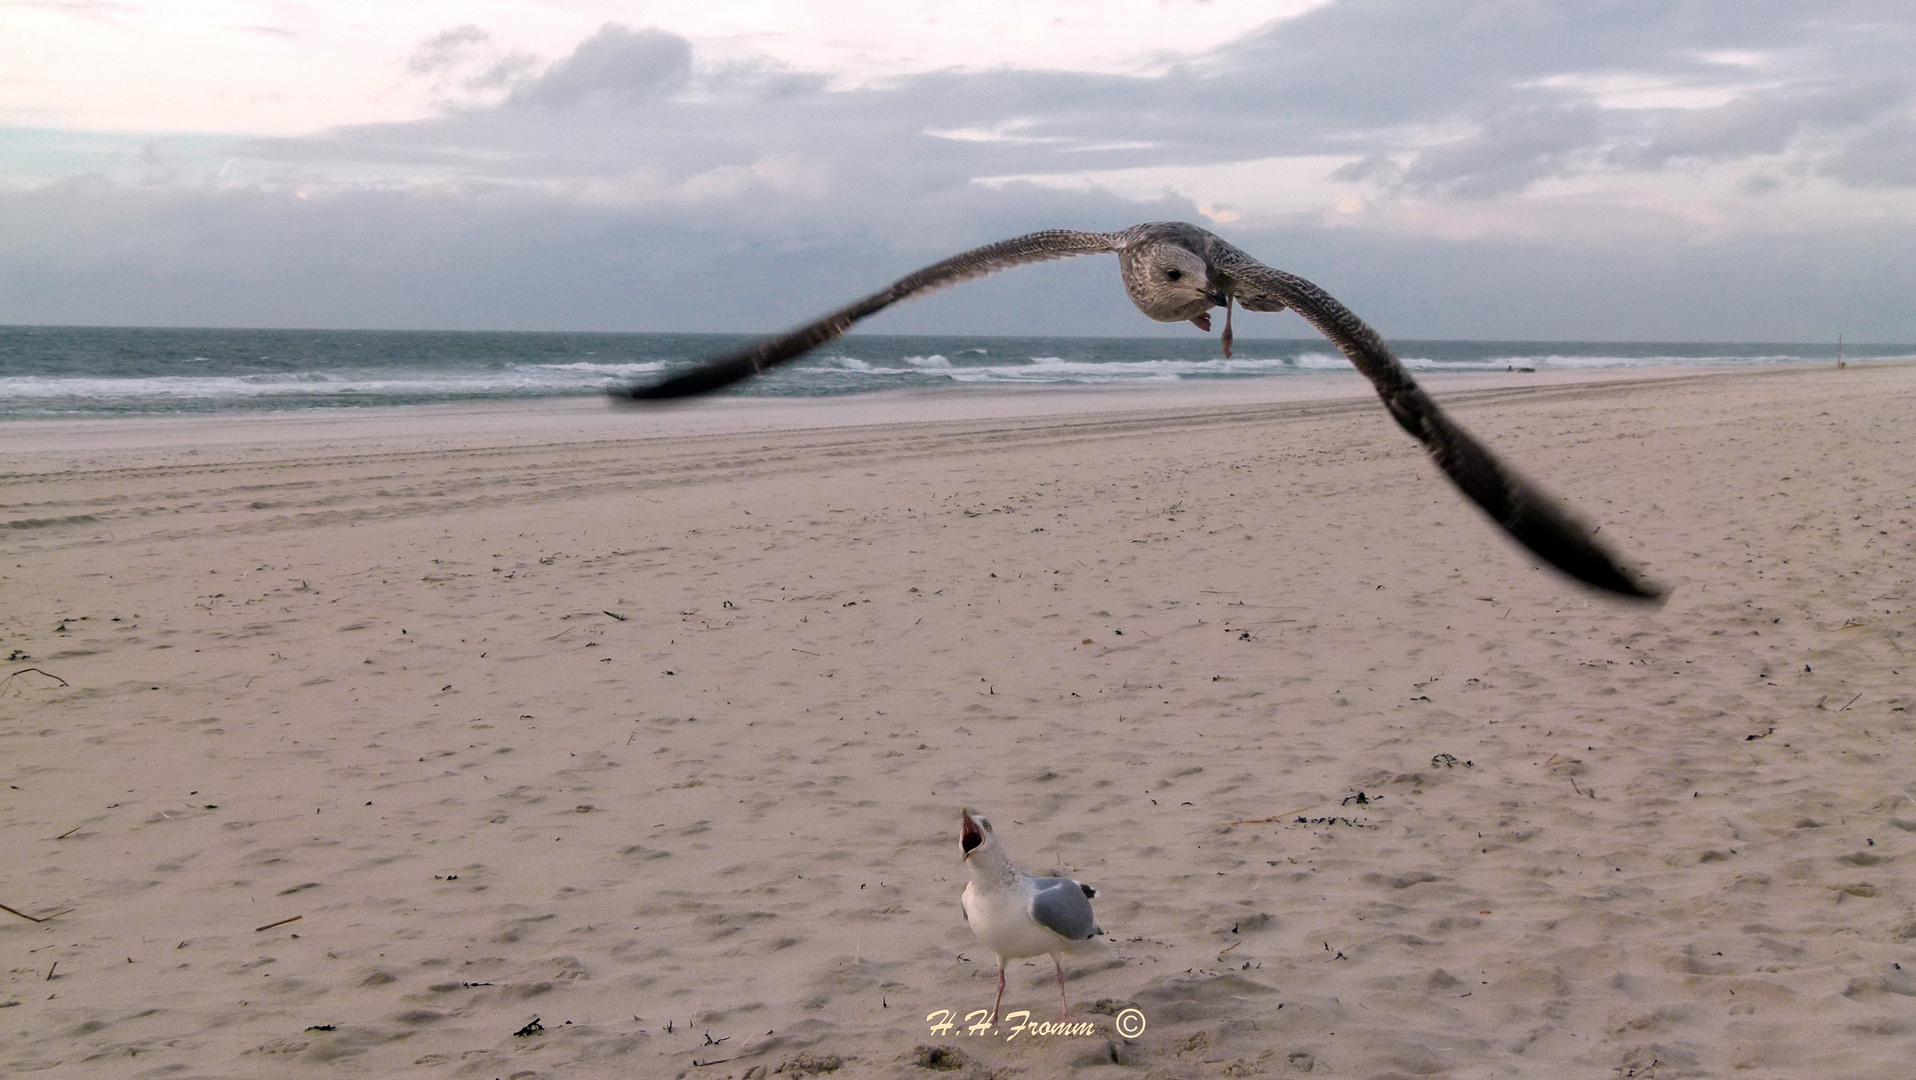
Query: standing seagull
{"x": 1016, "y": 915}
{"x": 1176, "y": 272}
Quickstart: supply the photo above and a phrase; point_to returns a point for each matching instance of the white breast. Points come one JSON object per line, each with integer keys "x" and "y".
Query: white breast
{"x": 1002, "y": 920}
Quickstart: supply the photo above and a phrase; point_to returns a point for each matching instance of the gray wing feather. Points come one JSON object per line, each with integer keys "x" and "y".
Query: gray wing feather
{"x": 1062, "y": 907}
{"x": 1522, "y": 509}
{"x": 723, "y": 370}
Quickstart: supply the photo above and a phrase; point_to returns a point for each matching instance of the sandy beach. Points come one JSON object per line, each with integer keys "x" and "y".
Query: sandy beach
{"x": 552, "y": 740}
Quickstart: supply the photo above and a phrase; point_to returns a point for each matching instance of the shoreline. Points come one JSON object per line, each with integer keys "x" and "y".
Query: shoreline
{"x": 599, "y": 418}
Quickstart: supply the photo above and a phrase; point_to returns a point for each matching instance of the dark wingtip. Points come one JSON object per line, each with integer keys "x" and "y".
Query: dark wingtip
{"x": 1622, "y": 585}
{"x": 1650, "y": 596}
{"x": 1569, "y": 547}
{"x": 706, "y": 377}
{"x": 1646, "y": 592}
{"x": 638, "y": 396}
{"x": 1604, "y": 575}
{"x": 1529, "y": 515}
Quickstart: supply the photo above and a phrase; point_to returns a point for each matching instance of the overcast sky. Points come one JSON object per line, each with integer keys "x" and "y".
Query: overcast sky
{"x": 1739, "y": 170}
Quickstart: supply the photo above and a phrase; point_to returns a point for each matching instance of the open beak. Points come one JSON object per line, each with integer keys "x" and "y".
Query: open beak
{"x": 970, "y": 835}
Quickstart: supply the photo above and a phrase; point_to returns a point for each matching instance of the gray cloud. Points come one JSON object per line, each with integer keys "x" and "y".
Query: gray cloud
{"x": 616, "y": 66}
{"x": 85, "y": 252}
{"x": 1372, "y": 75}
{"x": 1765, "y": 122}
{"x": 1518, "y": 146}
{"x": 1883, "y": 154}
{"x": 1515, "y": 85}
{"x": 626, "y": 185}
{"x": 446, "y": 49}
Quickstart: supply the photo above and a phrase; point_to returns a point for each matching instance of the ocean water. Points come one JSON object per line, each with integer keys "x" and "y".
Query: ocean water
{"x": 50, "y": 371}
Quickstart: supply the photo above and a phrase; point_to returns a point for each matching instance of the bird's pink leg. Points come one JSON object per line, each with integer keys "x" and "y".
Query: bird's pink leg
{"x": 1226, "y": 339}
{"x": 1001, "y": 993}
{"x": 1062, "y": 1000}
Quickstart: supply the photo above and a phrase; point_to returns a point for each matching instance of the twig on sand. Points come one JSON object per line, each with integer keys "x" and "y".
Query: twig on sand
{"x": 282, "y": 922}
{"x": 1267, "y": 820}
{"x": 618, "y": 616}
{"x": 71, "y": 831}
{"x": 31, "y": 918}
{"x": 24, "y": 670}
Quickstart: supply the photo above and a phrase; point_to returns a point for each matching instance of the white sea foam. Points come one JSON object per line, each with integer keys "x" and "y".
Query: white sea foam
{"x": 520, "y": 380}
{"x": 1321, "y": 361}
{"x": 1042, "y": 369}
{"x": 80, "y": 371}
{"x": 589, "y": 367}
{"x": 1557, "y": 361}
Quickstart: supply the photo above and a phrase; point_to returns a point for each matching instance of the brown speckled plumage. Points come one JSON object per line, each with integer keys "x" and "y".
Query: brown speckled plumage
{"x": 1175, "y": 272}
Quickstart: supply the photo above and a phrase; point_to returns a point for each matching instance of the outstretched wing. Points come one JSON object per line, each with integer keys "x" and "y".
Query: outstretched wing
{"x": 1064, "y": 907}
{"x": 1523, "y": 510}
{"x": 719, "y": 371}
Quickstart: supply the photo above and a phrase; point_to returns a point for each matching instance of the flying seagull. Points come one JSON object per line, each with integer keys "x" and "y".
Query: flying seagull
{"x": 1016, "y": 915}
{"x": 1176, "y": 272}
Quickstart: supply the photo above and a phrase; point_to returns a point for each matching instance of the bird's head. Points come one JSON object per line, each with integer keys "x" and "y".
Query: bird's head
{"x": 973, "y": 832}
{"x": 1168, "y": 281}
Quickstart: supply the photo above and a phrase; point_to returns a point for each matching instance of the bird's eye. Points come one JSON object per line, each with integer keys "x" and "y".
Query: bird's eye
{"x": 1174, "y": 274}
